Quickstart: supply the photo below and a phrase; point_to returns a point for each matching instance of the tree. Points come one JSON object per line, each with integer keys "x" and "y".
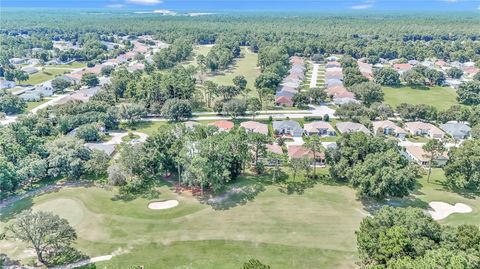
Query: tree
{"x": 234, "y": 108}
{"x": 97, "y": 164}
{"x": 211, "y": 90}
{"x": 267, "y": 81}
{"x": 315, "y": 145}
{"x": 228, "y": 92}
{"x": 11, "y": 104}
{"x": 386, "y": 76}
{"x": 88, "y": 132}
{"x": 394, "y": 233}
{"x": 254, "y": 264}
{"x": 475, "y": 132}
{"x": 455, "y": 72}
{"x": 176, "y": 109}
{"x": 89, "y": 79}
{"x": 131, "y": 112}
{"x": 107, "y": 70}
{"x": 32, "y": 167}
{"x": 463, "y": 167}
{"x": 21, "y": 75}
{"x": 254, "y": 105}
{"x": 317, "y": 95}
{"x": 469, "y": 93}
{"x": 300, "y": 99}
{"x": 240, "y": 82}
{"x": 435, "y": 77}
{"x": 47, "y": 233}
{"x": 8, "y": 176}
{"x": 434, "y": 148}
{"x": 299, "y": 164}
{"x": 66, "y": 156}
{"x": 116, "y": 175}
{"x": 413, "y": 78}
{"x": 61, "y": 83}
{"x": 383, "y": 175}
{"x": 257, "y": 143}
{"x": 368, "y": 92}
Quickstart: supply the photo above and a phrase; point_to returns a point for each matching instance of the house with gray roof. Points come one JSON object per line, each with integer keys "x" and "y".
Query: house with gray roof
{"x": 333, "y": 82}
{"x": 7, "y": 84}
{"x": 456, "y": 130}
{"x": 108, "y": 149}
{"x": 287, "y": 127}
{"x": 37, "y": 93}
{"x": 30, "y": 69}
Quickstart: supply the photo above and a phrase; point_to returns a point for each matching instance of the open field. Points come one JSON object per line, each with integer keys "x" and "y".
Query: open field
{"x": 32, "y": 105}
{"x": 310, "y": 229}
{"x": 70, "y": 65}
{"x": 42, "y": 76}
{"x": 439, "y": 97}
{"x": 245, "y": 66}
{"x": 197, "y": 50}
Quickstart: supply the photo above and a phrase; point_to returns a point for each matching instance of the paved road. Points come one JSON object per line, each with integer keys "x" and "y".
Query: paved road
{"x": 313, "y": 80}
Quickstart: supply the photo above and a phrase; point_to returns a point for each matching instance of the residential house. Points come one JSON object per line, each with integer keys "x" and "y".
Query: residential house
{"x": 456, "y": 130}
{"x": 321, "y": 128}
{"x": 37, "y": 93}
{"x": 332, "y": 59}
{"x": 424, "y": 129}
{"x": 223, "y": 125}
{"x": 287, "y": 127}
{"x": 255, "y": 127}
{"x": 108, "y": 149}
{"x": 333, "y": 82}
{"x": 284, "y": 101}
{"x": 7, "y": 84}
{"x": 332, "y": 64}
{"x": 421, "y": 157}
{"x": 351, "y": 127}
{"x": 401, "y": 68}
{"x": 275, "y": 149}
{"x": 300, "y": 151}
{"x": 17, "y": 61}
{"x": 340, "y": 101}
{"x": 387, "y": 127}
{"x": 82, "y": 95}
{"x": 30, "y": 70}
{"x": 339, "y": 91}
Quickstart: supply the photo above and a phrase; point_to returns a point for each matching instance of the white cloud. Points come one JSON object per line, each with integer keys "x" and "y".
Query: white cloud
{"x": 362, "y": 6}
{"x": 145, "y": 2}
{"x": 116, "y": 6}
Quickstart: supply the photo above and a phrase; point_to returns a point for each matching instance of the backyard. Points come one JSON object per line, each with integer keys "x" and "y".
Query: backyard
{"x": 439, "y": 97}
{"x": 45, "y": 75}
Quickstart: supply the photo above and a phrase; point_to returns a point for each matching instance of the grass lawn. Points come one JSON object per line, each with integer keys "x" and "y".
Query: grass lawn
{"x": 309, "y": 229}
{"x": 418, "y": 139}
{"x": 32, "y": 105}
{"x": 70, "y": 65}
{"x": 439, "y": 97}
{"x": 246, "y": 66}
{"x": 147, "y": 127}
{"x": 42, "y": 76}
{"x": 197, "y": 50}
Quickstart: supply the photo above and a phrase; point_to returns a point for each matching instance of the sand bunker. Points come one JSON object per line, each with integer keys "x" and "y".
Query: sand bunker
{"x": 163, "y": 204}
{"x": 442, "y": 210}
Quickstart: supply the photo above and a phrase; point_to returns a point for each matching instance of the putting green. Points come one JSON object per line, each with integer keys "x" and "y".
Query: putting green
{"x": 69, "y": 209}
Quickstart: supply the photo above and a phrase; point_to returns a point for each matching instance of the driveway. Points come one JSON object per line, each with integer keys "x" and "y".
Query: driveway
{"x": 313, "y": 79}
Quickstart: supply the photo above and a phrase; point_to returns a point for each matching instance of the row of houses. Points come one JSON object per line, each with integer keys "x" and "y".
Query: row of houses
{"x": 291, "y": 84}
{"x": 334, "y": 83}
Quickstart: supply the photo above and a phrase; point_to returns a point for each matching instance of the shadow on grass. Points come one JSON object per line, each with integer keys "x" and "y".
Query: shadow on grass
{"x": 235, "y": 196}
{"x": 147, "y": 190}
{"x": 372, "y": 206}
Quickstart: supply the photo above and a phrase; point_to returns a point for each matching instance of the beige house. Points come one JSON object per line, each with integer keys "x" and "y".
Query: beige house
{"x": 255, "y": 127}
{"x": 352, "y": 127}
{"x": 421, "y": 157}
{"x": 321, "y": 128}
{"x": 387, "y": 127}
{"x": 424, "y": 129}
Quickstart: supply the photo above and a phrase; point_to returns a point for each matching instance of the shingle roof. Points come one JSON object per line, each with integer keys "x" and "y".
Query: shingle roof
{"x": 349, "y": 127}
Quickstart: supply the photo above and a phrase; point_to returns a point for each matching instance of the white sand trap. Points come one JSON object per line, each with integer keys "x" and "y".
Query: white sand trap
{"x": 442, "y": 210}
{"x": 163, "y": 204}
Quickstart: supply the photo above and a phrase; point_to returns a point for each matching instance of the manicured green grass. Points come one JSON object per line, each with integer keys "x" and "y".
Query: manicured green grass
{"x": 32, "y": 105}
{"x": 147, "y": 127}
{"x": 42, "y": 76}
{"x": 245, "y": 66}
{"x": 418, "y": 139}
{"x": 439, "y": 97}
{"x": 70, "y": 65}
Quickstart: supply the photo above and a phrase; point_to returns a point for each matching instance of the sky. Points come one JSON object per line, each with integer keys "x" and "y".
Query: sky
{"x": 253, "y": 5}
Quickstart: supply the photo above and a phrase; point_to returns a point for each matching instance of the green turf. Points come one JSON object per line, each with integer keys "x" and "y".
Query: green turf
{"x": 245, "y": 66}
{"x": 310, "y": 229}
{"x": 70, "y": 65}
{"x": 418, "y": 139}
{"x": 197, "y": 50}
{"x": 44, "y": 75}
{"x": 32, "y": 105}
{"x": 439, "y": 97}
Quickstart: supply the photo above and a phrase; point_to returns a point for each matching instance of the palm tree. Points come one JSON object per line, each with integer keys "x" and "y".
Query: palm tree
{"x": 315, "y": 145}
{"x": 434, "y": 148}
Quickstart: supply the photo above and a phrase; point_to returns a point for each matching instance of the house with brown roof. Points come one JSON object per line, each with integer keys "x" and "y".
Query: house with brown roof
{"x": 351, "y": 127}
{"x": 424, "y": 129}
{"x": 320, "y": 128}
{"x": 402, "y": 67}
{"x": 339, "y": 91}
{"x": 284, "y": 101}
{"x": 255, "y": 127}
{"x": 387, "y": 127}
{"x": 299, "y": 151}
{"x": 421, "y": 157}
{"x": 222, "y": 125}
